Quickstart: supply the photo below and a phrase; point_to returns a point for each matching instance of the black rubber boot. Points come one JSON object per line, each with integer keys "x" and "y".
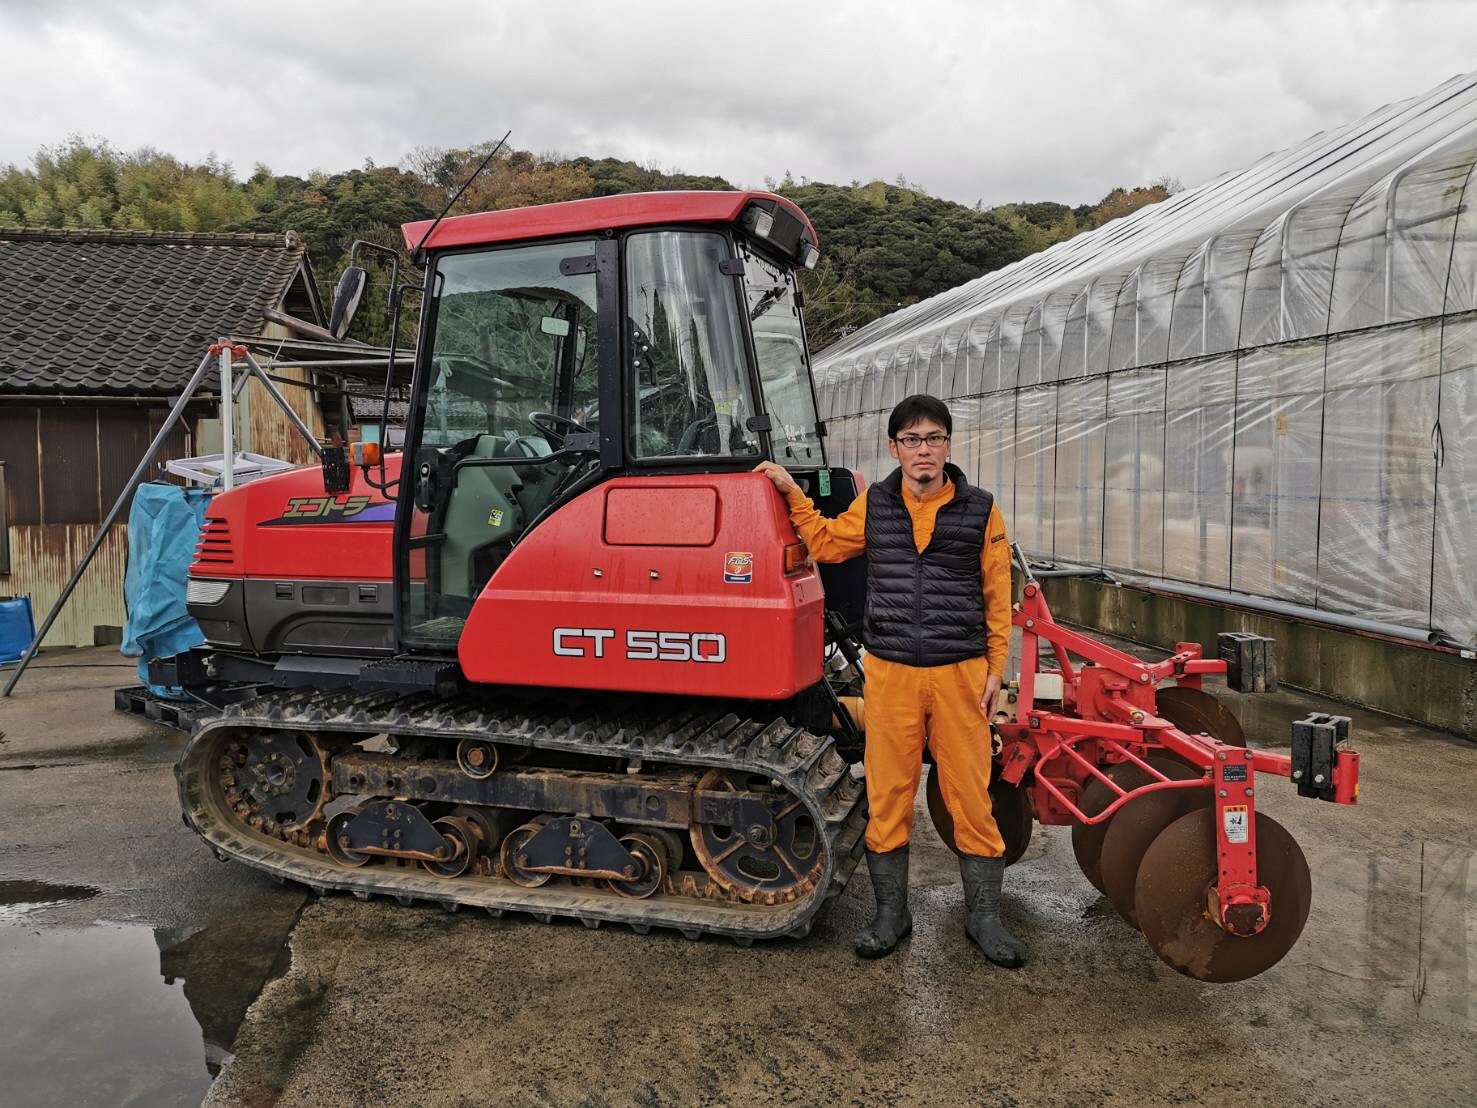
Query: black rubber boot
{"x": 892, "y": 921}
{"x": 982, "y": 880}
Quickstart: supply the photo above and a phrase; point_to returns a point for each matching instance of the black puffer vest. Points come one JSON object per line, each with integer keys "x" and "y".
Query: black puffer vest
{"x": 926, "y": 609}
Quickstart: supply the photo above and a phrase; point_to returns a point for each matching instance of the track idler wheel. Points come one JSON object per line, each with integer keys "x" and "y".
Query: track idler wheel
{"x": 650, "y": 850}
{"x": 1175, "y": 882}
{"x": 1010, "y": 805}
{"x": 765, "y": 847}
{"x": 461, "y": 838}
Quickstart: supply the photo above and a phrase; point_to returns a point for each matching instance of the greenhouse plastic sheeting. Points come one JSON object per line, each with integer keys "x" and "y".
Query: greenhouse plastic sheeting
{"x": 1267, "y": 384}
{"x": 163, "y": 527}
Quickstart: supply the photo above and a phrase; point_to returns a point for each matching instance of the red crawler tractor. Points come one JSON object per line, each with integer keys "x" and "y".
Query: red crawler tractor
{"x": 563, "y": 654}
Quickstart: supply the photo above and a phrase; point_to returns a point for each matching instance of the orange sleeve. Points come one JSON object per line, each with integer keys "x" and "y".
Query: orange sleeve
{"x": 829, "y": 540}
{"x": 995, "y": 573}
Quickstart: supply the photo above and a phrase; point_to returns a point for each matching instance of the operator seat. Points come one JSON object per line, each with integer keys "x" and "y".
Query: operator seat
{"x": 483, "y": 517}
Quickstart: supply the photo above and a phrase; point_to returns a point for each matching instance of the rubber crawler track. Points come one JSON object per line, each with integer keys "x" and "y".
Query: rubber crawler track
{"x": 676, "y": 731}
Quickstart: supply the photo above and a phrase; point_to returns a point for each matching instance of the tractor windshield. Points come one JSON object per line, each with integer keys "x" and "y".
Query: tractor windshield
{"x": 689, "y": 369}
{"x": 784, "y": 364}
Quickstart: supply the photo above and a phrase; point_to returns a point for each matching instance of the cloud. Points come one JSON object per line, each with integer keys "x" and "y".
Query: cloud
{"x": 996, "y": 102}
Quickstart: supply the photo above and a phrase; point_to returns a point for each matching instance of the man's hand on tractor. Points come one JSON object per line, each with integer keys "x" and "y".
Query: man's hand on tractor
{"x": 778, "y": 474}
{"x": 992, "y": 689}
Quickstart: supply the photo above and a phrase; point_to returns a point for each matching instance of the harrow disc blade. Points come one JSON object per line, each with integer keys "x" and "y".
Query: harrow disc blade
{"x": 1010, "y": 804}
{"x": 1195, "y": 711}
{"x": 1175, "y": 877}
{"x": 1087, "y": 838}
{"x": 1137, "y": 824}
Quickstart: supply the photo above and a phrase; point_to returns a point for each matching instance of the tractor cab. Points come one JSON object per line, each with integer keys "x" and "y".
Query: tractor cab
{"x": 565, "y": 345}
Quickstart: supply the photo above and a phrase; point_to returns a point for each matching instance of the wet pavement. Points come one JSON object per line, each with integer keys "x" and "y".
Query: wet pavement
{"x": 129, "y": 956}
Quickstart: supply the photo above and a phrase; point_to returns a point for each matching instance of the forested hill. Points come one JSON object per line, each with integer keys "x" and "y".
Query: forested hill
{"x": 883, "y": 245}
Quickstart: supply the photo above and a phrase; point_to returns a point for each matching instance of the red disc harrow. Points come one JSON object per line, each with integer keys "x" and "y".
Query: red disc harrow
{"x": 1160, "y": 788}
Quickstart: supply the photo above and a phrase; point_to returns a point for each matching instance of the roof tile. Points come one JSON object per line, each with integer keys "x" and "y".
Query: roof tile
{"x": 126, "y": 312}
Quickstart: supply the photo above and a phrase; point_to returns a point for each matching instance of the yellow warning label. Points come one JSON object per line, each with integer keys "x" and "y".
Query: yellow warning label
{"x": 495, "y": 518}
{"x": 1236, "y": 822}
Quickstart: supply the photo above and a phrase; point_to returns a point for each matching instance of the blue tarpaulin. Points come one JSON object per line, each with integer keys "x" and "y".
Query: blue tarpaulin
{"x": 163, "y": 526}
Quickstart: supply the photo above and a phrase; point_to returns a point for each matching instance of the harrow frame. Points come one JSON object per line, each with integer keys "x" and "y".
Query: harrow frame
{"x": 1107, "y": 715}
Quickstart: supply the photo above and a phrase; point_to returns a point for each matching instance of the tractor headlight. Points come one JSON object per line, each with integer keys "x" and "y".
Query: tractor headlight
{"x": 204, "y": 591}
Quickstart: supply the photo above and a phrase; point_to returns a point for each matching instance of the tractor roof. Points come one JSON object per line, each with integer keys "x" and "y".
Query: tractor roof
{"x": 601, "y": 213}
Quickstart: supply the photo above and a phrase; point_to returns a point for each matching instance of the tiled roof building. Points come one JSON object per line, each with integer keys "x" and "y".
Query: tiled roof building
{"x": 99, "y": 332}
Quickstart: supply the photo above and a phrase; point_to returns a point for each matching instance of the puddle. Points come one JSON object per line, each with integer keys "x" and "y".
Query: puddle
{"x": 123, "y": 1013}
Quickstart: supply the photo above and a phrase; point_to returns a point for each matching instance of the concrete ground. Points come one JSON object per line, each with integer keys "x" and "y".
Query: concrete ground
{"x": 128, "y": 957}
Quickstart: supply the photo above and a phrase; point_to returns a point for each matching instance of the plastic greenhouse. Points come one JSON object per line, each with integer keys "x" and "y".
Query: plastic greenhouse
{"x": 1265, "y": 386}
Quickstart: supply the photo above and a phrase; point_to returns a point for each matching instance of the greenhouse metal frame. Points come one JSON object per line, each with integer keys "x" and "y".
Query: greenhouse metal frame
{"x": 1263, "y": 388}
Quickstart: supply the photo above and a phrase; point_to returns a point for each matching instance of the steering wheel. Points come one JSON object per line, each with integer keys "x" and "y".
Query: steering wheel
{"x": 553, "y": 426}
{"x": 694, "y": 430}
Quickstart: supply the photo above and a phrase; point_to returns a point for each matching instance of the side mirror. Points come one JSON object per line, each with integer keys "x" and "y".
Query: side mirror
{"x": 346, "y": 296}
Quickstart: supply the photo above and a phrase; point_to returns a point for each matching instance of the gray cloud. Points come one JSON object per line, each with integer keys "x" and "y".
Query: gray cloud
{"x": 998, "y": 101}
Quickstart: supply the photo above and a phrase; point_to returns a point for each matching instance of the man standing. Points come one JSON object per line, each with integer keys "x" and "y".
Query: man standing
{"x": 936, "y": 631}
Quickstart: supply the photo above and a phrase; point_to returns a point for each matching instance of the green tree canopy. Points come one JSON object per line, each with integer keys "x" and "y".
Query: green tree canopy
{"x": 883, "y": 245}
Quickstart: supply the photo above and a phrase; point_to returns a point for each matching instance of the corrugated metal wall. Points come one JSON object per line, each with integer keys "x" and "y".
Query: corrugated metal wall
{"x": 42, "y": 557}
{"x": 64, "y": 467}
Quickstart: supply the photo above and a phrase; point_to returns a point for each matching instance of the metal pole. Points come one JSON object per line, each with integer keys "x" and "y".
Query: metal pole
{"x": 143, "y": 468}
{"x": 228, "y": 420}
{"x": 276, "y": 394}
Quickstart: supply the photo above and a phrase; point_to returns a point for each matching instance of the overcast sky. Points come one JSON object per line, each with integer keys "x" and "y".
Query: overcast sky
{"x": 996, "y": 101}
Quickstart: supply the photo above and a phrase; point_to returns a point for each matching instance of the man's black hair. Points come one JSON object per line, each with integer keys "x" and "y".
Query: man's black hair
{"x": 915, "y": 409}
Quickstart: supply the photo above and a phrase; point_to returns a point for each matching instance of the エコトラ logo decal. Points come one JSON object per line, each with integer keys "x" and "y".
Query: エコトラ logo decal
{"x": 333, "y": 509}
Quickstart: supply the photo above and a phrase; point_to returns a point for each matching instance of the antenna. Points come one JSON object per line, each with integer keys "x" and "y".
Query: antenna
{"x": 395, "y": 290}
{"x": 416, "y": 254}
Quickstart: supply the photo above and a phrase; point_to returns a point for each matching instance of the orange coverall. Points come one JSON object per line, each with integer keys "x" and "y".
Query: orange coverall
{"x": 905, "y": 704}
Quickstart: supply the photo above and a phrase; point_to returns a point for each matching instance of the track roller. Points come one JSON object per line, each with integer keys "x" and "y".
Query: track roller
{"x": 335, "y": 839}
{"x": 476, "y": 758}
{"x": 513, "y": 847}
{"x": 461, "y": 838}
{"x": 652, "y": 852}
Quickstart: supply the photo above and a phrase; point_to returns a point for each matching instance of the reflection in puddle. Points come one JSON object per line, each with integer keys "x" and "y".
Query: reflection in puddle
{"x": 89, "y": 1022}
{"x": 19, "y": 899}
{"x": 115, "y": 1013}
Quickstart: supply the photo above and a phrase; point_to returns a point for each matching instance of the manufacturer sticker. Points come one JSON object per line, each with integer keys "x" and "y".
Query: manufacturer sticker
{"x": 1236, "y": 821}
{"x": 332, "y": 509}
{"x": 495, "y": 517}
{"x": 738, "y": 567}
{"x": 1234, "y": 772}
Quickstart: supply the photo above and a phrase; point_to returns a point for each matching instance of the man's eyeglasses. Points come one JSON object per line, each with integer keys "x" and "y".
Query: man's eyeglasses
{"x": 913, "y": 442}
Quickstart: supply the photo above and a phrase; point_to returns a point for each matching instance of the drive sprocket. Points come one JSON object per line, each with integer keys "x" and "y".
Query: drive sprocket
{"x": 276, "y": 781}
